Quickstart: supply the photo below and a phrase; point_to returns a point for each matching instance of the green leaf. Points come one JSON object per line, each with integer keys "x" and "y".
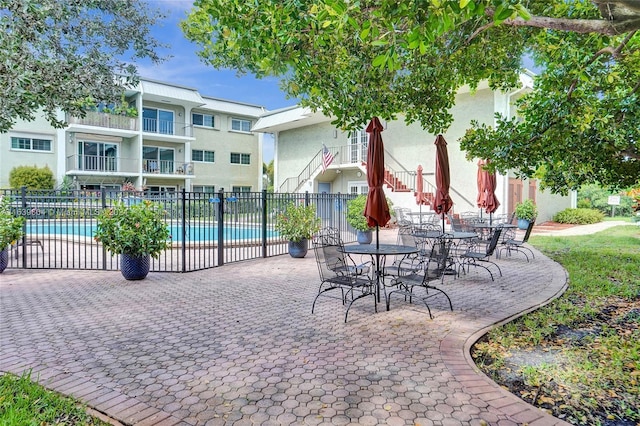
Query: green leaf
{"x": 379, "y": 61}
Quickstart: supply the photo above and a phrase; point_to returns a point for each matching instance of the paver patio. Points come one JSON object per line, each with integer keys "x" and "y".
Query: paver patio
{"x": 238, "y": 345}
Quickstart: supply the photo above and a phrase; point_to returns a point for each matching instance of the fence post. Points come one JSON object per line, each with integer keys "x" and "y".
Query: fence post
{"x": 184, "y": 231}
{"x": 306, "y": 198}
{"x": 23, "y": 195}
{"x": 221, "y": 227}
{"x": 264, "y": 223}
{"x": 103, "y": 197}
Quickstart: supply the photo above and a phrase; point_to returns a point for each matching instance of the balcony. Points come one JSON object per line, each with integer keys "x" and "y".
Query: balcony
{"x": 99, "y": 164}
{"x": 105, "y": 120}
{"x": 167, "y": 167}
{"x": 166, "y": 127}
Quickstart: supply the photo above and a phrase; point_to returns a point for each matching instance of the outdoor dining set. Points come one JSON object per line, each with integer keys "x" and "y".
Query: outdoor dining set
{"x": 414, "y": 268}
{"x": 425, "y": 251}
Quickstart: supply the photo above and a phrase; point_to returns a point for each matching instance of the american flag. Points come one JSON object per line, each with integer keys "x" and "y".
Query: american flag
{"x": 327, "y": 158}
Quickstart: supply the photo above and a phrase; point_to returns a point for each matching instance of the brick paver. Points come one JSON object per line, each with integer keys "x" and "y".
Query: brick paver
{"x": 238, "y": 345}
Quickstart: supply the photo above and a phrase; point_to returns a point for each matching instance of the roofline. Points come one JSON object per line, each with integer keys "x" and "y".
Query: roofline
{"x": 213, "y": 98}
{"x": 166, "y": 83}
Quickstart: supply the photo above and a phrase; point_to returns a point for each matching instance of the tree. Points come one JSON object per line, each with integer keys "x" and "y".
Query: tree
{"x": 59, "y": 53}
{"x": 268, "y": 172}
{"x": 356, "y": 59}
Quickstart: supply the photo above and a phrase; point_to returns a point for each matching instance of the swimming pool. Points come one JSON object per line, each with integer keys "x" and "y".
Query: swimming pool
{"x": 194, "y": 233}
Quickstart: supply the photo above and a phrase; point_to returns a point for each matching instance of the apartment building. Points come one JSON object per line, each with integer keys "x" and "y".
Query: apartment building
{"x": 301, "y": 134}
{"x": 167, "y": 138}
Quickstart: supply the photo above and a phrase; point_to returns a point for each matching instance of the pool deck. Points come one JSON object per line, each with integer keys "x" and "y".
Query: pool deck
{"x": 238, "y": 345}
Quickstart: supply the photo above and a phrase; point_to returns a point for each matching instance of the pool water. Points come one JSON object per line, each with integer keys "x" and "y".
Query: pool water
{"x": 193, "y": 233}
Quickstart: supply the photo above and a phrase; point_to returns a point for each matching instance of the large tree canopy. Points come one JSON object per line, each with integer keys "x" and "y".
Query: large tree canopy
{"x": 58, "y": 53}
{"x": 357, "y": 59}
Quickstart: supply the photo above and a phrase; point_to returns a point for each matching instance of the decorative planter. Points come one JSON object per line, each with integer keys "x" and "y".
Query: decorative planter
{"x": 523, "y": 223}
{"x": 134, "y": 267}
{"x": 4, "y": 259}
{"x": 298, "y": 249}
{"x": 364, "y": 237}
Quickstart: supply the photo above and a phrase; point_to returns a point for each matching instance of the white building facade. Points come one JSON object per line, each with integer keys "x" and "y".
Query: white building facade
{"x": 178, "y": 139}
{"x": 300, "y": 136}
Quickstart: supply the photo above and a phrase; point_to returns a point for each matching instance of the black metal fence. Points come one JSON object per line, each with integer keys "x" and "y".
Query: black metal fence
{"x": 207, "y": 230}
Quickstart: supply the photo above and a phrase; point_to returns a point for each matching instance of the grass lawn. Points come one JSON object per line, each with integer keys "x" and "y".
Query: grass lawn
{"x": 24, "y": 403}
{"x": 579, "y": 356}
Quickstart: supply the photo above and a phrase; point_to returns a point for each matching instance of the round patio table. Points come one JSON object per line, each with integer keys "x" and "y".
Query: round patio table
{"x": 379, "y": 253}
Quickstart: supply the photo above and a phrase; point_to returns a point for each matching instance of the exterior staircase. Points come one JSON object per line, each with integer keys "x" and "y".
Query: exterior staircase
{"x": 399, "y": 181}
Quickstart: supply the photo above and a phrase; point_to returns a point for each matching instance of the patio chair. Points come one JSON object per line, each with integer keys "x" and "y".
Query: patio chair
{"x": 405, "y": 264}
{"x": 25, "y": 243}
{"x": 432, "y": 269}
{"x": 475, "y": 254}
{"x": 401, "y": 215}
{"x": 338, "y": 272}
{"x": 513, "y": 244}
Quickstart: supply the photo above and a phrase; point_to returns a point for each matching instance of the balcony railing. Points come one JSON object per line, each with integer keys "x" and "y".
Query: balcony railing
{"x": 101, "y": 164}
{"x": 166, "y": 127}
{"x": 102, "y": 119}
{"x": 167, "y": 167}
{"x": 104, "y": 164}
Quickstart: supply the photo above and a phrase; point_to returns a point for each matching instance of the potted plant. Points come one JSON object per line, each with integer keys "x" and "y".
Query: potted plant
{"x": 136, "y": 232}
{"x": 297, "y": 223}
{"x": 355, "y": 218}
{"x": 10, "y": 230}
{"x": 526, "y": 212}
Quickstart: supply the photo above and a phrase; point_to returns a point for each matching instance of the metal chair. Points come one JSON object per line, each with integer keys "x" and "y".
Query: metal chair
{"x": 473, "y": 255}
{"x": 432, "y": 269}
{"x": 513, "y": 244}
{"x": 338, "y": 272}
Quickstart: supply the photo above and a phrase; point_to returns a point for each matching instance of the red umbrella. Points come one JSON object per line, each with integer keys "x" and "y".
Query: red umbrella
{"x": 480, "y": 181}
{"x": 491, "y": 202}
{"x": 442, "y": 203}
{"x": 376, "y": 210}
{"x": 422, "y": 198}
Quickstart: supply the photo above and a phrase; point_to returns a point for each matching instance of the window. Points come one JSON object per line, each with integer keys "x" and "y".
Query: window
{"x": 238, "y": 158}
{"x": 205, "y": 120}
{"x": 241, "y": 189}
{"x": 203, "y": 156}
{"x": 207, "y": 189}
{"x": 240, "y": 125}
{"x": 157, "y": 121}
{"x": 31, "y": 144}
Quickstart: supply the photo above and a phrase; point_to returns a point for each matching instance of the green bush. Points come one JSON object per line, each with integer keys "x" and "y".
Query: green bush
{"x": 355, "y": 213}
{"x": 33, "y": 177}
{"x": 594, "y": 197}
{"x": 579, "y": 216}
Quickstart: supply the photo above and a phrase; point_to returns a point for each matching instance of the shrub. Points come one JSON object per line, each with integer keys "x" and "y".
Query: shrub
{"x": 33, "y": 177}
{"x": 579, "y": 216}
{"x": 10, "y": 225}
{"x": 526, "y": 210}
{"x": 135, "y": 230}
{"x": 297, "y": 222}
{"x": 594, "y": 197}
{"x": 355, "y": 213}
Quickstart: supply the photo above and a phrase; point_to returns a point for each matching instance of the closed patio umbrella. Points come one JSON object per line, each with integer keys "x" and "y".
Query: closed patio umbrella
{"x": 421, "y": 198}
{"x": 491, "y": 202}
{"x": 443, "y": 202}
{"x": 480, "y": 182}
{"x": 376, "y": 210}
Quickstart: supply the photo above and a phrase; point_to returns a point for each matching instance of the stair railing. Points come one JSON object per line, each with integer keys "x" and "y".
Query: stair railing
{"x": 292, "y": 184}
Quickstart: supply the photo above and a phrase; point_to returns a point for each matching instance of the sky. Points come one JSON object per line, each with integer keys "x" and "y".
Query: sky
{"x": 185, "y": 68}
